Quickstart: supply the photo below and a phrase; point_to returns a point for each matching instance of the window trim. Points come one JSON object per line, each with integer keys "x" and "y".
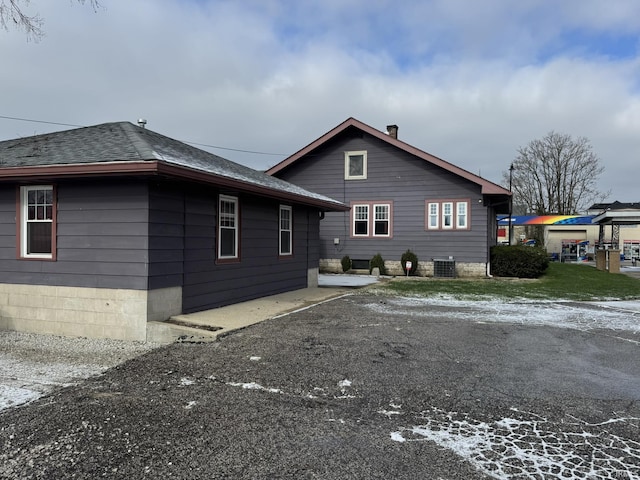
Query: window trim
{"x": 22, "y": 221}
{"x": 465, "y": 224}
{"x": 439, "y": 214}
{"x": 236, "y": 216}
{"x": 435, "y": 216}
{"x": 448, "y": 216}
{"x": 371, "y": 220}
{"x": 374, "y": 220}
{"x": 347, "y": 164}
{"x": 281, "y": 230}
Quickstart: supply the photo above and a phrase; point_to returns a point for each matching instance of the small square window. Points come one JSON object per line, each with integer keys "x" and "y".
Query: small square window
{"x": 355, "y": 165}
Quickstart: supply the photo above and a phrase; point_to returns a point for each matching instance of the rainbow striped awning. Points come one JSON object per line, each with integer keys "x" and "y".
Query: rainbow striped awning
{"x": 546, "y": 220}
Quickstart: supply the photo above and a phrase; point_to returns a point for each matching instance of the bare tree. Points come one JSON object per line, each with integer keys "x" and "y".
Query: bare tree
{"x": 555, "y": 175}
{"x": 12, "y": 13}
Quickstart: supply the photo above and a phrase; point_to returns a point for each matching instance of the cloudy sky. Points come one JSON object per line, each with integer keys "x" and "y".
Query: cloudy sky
{"x": 256, "y": 80}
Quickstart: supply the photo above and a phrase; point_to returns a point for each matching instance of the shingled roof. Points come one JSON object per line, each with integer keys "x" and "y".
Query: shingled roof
{"x": 486, "y": 186}
{"x": 122, "y": 148}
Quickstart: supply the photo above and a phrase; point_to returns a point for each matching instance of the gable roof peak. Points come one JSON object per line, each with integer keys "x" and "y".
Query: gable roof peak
{"x": 487, "y": 187}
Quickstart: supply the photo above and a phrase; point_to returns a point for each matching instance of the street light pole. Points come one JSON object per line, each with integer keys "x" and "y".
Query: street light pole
{"x": 510, "y": 204}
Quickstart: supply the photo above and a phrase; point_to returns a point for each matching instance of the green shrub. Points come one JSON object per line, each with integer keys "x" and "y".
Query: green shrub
{"x": 518, "y": 261}
{"x": 377, "y": 261}
{"x": 346, "y": 263}
{"x": 409, "y": 256}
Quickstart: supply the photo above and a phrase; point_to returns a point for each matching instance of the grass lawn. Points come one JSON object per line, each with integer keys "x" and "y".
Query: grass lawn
{"x": 561, "y": 281}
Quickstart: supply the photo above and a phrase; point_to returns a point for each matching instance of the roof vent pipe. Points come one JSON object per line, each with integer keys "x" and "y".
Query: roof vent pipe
{"x": 392, "y": 131}
{"x": 142, "y": 122}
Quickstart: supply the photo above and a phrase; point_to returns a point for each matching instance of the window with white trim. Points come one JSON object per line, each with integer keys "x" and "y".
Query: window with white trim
{"x": 227, "y": 227}
{"x": 37, "y": 226}
{"x": 371, "y": 219}
{"x": 286, "y": 230}
{"x": 432, "y": 222}
{"x": 461, "y": 214}
{"x": 355, "y": 165}
{"x": 446, "y": 215}
{"x": 381, "y": 220}
{"x": 361, "y": 220}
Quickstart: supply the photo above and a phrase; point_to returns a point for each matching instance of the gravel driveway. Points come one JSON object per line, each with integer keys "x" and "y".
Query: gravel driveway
{"x": 366, "y": 386}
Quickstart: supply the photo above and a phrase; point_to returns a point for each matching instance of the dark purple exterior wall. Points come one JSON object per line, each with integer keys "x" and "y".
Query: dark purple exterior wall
{"x": 145, "y": 235}
{"x": 407, "y": 181}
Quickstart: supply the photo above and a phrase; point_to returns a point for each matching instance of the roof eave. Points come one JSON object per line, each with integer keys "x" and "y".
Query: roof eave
{"x": 158, "y": 168}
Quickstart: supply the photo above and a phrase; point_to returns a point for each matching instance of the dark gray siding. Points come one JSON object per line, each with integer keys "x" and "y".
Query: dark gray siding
{"x": 397, "y": 176}
{"x": 260, "y": 271}
{"x": 166, "y": 234}
{"x": 139, "y": 235}
{"x": 101, "y": 237}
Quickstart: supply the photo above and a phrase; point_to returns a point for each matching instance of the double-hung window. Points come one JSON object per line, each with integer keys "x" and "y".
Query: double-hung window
{"x": 461, "y": 215}
{"x": 447, "y": 215}
{"x": 355, "y": 165}
{"x": 433, "y": 220}
{"x": 361, "y": 220}
{"x": 381, "y": 220}
{"x": 286, "y": 230}
{"x": 228, "y": 228}
{"x": 37, "y": 221}
{"x": 371, "y": 219}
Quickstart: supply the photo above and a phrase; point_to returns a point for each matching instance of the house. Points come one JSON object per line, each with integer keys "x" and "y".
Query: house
{"x": 105, "y": 228}
{"x": 400, "y": 198}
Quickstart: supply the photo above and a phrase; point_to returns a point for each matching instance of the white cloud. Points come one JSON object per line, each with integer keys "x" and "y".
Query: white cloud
{"x": 470, "y": 85}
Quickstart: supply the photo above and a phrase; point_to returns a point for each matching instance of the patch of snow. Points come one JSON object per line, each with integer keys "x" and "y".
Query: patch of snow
{"x": 254, "y": 386}
{"x": 530, "y": 446}
{"x": 624, "y": 315}
{"x": 11, "y": 396}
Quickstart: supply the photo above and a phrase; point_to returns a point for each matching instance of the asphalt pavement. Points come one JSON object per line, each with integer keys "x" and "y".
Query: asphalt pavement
{"x": 365, "y": 386}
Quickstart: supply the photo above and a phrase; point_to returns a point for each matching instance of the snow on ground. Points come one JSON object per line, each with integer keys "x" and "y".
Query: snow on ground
{"x": 576, "y": 315}
{"x": 33, "y": 365}
{"x": 529, "y": 446}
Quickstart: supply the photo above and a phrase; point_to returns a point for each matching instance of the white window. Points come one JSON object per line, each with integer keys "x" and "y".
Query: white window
{"x": 37, "y": 228}
{"x": 432, "y": 222}
{"x": 447, "y": 215}
{"x": 361, "y": 220}
{"x": 371, "y": 219}
{"x": 461, "y": 215}
{"x": 227, "y": 227}
{"x": 286, "y": 230}
{"x": 381, "y": 220}
{"x": 355, "y": 165}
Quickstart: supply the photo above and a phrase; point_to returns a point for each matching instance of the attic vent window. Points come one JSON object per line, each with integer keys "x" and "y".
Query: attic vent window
{"x": 355, "y": 165}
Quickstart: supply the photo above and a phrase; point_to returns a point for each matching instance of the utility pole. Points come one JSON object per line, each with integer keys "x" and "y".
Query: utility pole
{"x": 510, "y": 205}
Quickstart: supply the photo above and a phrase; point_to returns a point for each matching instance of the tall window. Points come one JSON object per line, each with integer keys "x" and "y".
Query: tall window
{"x": 286, "y": 229}
{"x": 371, "y": 219}
{"x": 227, "y": 227}
{"x": 361, "y": 220}
{"x": 461, "y": 215}
{"x": 432, "y": 221}
{"x": 381, "y": 220}
{"x": 355, "y": 165}
{"x": 37, "y": 226}
{"x": 446, "y": 215}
